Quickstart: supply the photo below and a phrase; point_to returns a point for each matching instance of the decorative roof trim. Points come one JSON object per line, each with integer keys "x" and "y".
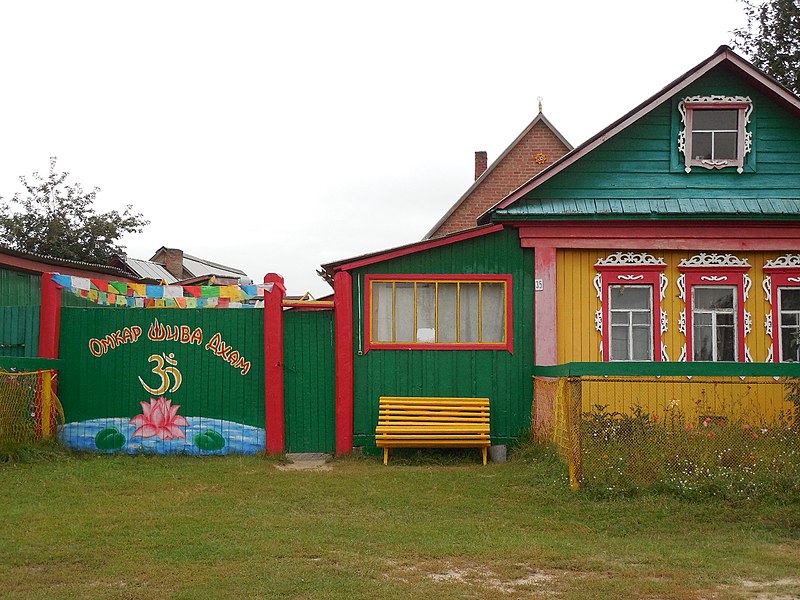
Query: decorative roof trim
{"x": 714, "y": 260}
{"x": 540, "y": 118}
{"x": 723, "y": 54}
{"x": 629, "y": 259}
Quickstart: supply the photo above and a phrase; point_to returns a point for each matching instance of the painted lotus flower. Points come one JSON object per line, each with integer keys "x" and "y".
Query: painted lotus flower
{"x": 159, "y": 418}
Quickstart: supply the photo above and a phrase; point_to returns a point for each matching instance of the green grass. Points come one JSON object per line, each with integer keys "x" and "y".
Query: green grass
{"x": 77, "y": 526}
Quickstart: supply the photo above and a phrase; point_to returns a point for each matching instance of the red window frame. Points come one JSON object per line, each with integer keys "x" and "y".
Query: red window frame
{"x": 507, "y": 345}
{"x": 630, "y": 275}
{"x": 787, "y": 277}
{"x": 709, "y": 276}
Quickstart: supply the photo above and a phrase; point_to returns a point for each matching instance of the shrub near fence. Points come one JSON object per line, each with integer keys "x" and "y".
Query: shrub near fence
{"x": 727, "y": 436}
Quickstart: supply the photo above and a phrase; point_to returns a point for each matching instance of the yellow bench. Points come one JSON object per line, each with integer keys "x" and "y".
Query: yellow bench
{"x": 432, "y": 422}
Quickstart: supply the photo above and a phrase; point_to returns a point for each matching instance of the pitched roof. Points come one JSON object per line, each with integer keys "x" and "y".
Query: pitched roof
{"x": 199, "y": 267}
{"x": 723, "y": 55}
{"x": 41, "y": 263}
{"x": 540, "y": 118}
{"x": 148, "y": 269}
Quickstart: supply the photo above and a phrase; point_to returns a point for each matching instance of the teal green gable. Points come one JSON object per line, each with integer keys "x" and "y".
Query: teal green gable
{"x": 639, "y": 172}
{"x": 503, "y": 377}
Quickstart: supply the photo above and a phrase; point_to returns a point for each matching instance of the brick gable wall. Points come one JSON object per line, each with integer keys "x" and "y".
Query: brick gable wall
{"x": 517, "y": 167}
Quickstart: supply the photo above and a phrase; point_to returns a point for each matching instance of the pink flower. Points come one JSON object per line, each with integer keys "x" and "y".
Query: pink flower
{"x": 655, "y": 418}
{"x": 706, "y": 421}
{"x": 159, "y": 418}
{"x": 745, "y": 426}
{"x": 755, "y": 436}
{"x": 688, "y": 427}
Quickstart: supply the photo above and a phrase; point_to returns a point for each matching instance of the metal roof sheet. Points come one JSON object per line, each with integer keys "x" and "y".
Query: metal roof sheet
{"x": 724, "y": 208}
{"x": 199, "y": 267}
{"x": 149, "y": 270}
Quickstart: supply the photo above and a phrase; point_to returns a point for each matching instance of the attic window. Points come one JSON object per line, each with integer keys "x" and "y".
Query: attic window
{"x": 714, "y": 134}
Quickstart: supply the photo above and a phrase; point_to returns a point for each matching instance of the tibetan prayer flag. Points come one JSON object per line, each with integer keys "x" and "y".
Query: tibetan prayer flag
{"x": 155, "y": 291}
{"x": 63, "y": 280}
{"x": 118, "y": 287}
{"x": 101, "y": 285}
{"x": 173, "y": 291}
{"x": 193, "y": 290}
{"x": 209, "y": 291}
{"x": 81, "y": 283}
{"x": 139, "y": 289}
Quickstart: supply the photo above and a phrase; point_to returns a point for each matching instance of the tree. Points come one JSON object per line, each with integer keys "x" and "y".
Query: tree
{"x": 57, "y": 219}
{"x": 772, "y": 39}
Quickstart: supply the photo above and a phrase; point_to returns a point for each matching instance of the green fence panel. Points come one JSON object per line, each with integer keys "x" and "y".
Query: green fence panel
{"x": 125, "y": 371}
{"x": 309, "y": 381}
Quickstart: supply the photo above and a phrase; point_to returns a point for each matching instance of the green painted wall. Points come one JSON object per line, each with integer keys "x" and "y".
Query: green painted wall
{"x": 92, "y": 387}
{"x": 502, "y": 377}
{"x": 309, "y": 381}
{"x": 643, "y": 160}
{"x": 19, "y": 331}
{"x": 19, "y": 289}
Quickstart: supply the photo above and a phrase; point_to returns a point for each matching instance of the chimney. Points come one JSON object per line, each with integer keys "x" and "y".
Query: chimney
{"x": 173, "y": 258}
{"x": 481, "y": 162}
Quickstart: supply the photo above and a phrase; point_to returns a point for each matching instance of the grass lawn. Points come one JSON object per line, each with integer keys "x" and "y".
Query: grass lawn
{"x": 237, "y": 527}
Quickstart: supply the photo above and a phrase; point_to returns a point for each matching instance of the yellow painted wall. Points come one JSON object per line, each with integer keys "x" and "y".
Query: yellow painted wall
{"x": 579, "y": 341}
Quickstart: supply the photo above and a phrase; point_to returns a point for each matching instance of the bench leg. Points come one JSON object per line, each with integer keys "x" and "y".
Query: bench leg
{"x": 483, "y": 451}
{"x": 386, "y": 456}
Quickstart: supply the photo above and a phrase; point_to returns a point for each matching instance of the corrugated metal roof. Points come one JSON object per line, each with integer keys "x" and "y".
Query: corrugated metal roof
{"x": 149, "y": 270}
{"x": 199, "y": 267}
{"x": 724, "y": 208}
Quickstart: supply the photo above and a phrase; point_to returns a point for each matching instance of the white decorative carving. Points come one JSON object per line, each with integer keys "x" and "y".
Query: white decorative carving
{"x": 714, "y": 260}
{"x": 598, "y": 320}
{"x": 664, "y": 321}
{"x": 664, "y": 281}
{"x": 630, "y": 277}
{"x": 770, "y": 358}
{"x": 629, "y": 258}
{"x": 681, "y": 287}
{"x": 598, "y": 285}
{"x": 748, "y": 322}
{"x": 747, "y": 356}
{"x": 748, "y": 283}
{"x": 682, "y": 357}
{"x": 787, "y": 260}
{"x": 768, "y": 324}
{"x": 793, "y": 279}
{"x": 714, "y": 278}
{"x": 766, "y": 285}
{"x": 716, "y": 99}
{"x": 682, "y": 322}
{"x": 664, "y": 355}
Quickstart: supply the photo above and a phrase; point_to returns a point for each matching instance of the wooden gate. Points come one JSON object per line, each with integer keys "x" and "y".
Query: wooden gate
{"x": 309, "y": 381}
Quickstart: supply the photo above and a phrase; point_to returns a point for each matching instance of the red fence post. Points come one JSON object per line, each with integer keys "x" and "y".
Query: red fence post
{"x": 49, "y": 317}
{"x": 273, "y": 364}
{"x": 343, "y": 297}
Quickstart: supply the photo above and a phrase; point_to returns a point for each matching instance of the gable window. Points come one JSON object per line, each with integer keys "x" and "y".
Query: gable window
{"x": 714, "y": 323}
{"x": 631, "y": 287}
{"x": 715, "y": 134}
{"x": 631, "y": 310}
{"x": 715, "y": 288}
{"x": 438, "y": 312}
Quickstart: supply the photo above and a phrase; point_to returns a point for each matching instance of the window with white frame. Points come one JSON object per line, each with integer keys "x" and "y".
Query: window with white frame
{"x": 715, "y": 131}
{"x": 631, "y": 287}
{"x": 714, "y": 332}
{"x": 789, "y": 323}
{"x": 715, "y": 288}
{"x": 438, "y": 312}
{"x": 631, "y": 312}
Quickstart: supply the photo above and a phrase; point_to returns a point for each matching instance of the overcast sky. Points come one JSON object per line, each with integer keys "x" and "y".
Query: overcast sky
{"x": 277, "y": 136}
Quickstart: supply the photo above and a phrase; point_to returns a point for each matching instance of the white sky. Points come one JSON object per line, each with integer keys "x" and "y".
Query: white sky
{"x": 276, "y": 136}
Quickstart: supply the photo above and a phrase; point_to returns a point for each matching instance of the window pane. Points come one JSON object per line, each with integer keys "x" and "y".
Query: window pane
{"x": 725, "y": 145}
{"x": 642, "y": 337}
{"x": 426, "y": 312}
{"x": 493, "y": 311}
{"x": 447, "y": 313}
{"x": 790, "y": 298}
{"x": 619, "y": 343}
{"x": 620, "y": 317}
{"x": 715, "y": 119}
{"x": 713, "y": 297}
{"x": 702, "y": 341}
{"x": 701, "y": 146}
{"x": 630, "y": 296}
{"x": 788, "y": 318}
{"x": 725, "y": 319}
{"x": 790, "y": 344}
{"x": 703, "y": 319}
{"x": 404, "y": 312}
{"x": 468, "y": 313}
{"x": 640, "y": 318}
{"x": 726, "y": 338}
{"x": 382, "y": 312}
